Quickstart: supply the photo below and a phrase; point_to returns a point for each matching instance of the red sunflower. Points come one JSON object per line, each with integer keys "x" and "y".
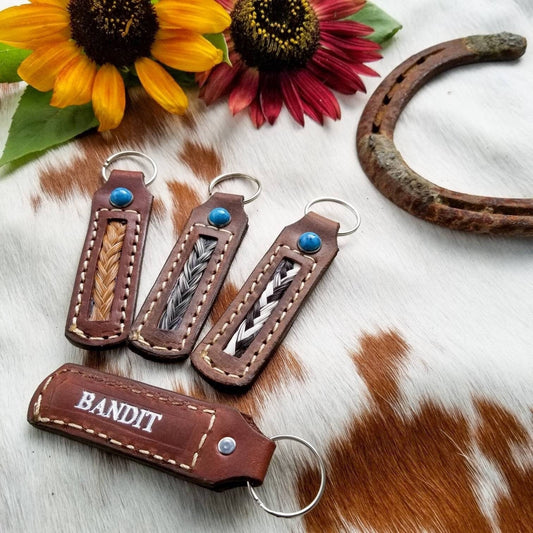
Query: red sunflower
{"x": 291, "y": 52}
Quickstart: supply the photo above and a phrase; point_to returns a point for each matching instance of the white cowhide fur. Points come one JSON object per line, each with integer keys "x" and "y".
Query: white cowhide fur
{"x": 410, "y": 368}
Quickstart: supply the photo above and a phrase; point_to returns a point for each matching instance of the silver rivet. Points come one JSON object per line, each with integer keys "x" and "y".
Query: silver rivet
{"x": 227, "y": 445}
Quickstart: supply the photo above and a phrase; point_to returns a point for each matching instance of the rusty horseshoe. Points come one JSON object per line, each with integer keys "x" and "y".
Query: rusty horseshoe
{"x": 386, "y": 168}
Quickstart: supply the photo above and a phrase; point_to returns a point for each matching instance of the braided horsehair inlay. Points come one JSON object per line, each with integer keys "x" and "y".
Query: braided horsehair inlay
{"x": 187, "y": 283}
{"x": 249, "y": 328}
{"x": 103, "y": 291}
{"x": 73, "y": 327}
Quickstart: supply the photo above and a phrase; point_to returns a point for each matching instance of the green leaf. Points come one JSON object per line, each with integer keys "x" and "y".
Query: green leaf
{"x": 384, "y": 25}
{"x": 36, "y": 125}
{"x": 10, "y": 59}
{"x": 185, "y": 80}
{"x": 218, "y": 41}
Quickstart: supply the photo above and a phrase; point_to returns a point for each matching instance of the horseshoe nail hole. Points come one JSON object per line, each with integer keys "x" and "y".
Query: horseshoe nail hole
{"x": 386, "y": 99}
{"x": 400, "y": 78}
{"x": 375, "y": 128}
{"x": 421, "y": 60}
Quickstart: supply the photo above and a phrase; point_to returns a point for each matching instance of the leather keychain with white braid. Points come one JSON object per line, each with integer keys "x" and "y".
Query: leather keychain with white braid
{"x": 174, "y": 312}
{"x": 240, "y": 344}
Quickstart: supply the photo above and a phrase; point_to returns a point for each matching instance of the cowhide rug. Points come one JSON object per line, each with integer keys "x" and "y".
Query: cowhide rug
{"x": 411, "y": 366}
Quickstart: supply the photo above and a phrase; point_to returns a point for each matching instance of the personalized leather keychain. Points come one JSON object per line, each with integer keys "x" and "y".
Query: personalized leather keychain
{"x": 181, "y": 299}
{"x": 209, "y": 444}
{"x": 105, "y": 289}
{"x": 241, "y": 343}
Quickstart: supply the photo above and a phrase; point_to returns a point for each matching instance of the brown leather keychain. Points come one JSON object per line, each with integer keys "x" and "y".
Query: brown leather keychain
{"x": 105, "y": 289}
{"x": 386, "y": 168}
{"x": 181, "y": 299}
{"x": 209, "y": 444}
{"x": 244, "y": 339}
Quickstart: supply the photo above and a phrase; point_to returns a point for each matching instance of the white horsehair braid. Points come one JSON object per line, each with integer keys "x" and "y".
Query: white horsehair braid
{"x": 262, "y": 308}
{"x": 187, "y": 283}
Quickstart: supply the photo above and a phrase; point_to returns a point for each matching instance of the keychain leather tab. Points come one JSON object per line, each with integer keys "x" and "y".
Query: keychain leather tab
{"x": 240, "y": 344}
{"x": 179, "y": 303}
{"x": 103, "y": 300}
{"x": 208, "y": 444}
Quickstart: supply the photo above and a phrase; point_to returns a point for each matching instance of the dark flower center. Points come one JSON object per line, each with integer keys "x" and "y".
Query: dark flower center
{"x": 113, "y": 31}
{"x": 275, "y": 34}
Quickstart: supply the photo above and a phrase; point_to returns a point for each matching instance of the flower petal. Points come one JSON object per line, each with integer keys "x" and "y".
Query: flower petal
{"x": 220, "y": 81}
{"x": 202, "y": 16}
{"x": 160, "y": 85}
{"x": 74, "y": 84}
{"x": 109, "y": 97}
{"x": 316, "y": 95}
{"x": 41, "y": 68}
{"x": 292, "y": 98}
{"x": 271, "y": 98}
{"x": 336, "y": 9}
{"x": 32, "y": 25}
{"x": 57, "y": 3}
{"x": 335, "y": 73}
{"x": 245, "y": 91}
{"x": 227, "y": 4}
{"x": 256, "y": 114}
{"x": 188, "y": 51}
{"x": 345, "y": 28}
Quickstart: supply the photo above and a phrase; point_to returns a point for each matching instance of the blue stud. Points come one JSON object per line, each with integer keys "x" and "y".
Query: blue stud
{"x": 121, "y": 197}
{"x": 219, "y": 217}
{"x": 309, "y": 242}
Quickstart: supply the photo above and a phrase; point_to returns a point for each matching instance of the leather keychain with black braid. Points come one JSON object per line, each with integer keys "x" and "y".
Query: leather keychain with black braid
{"x": 181, "y": 299}
{"x": 241, "y": 343}
{"x": 105, "y": 288}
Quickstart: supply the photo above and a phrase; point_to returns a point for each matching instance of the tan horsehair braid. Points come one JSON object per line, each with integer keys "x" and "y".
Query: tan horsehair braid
{"x": 107, "y": 269}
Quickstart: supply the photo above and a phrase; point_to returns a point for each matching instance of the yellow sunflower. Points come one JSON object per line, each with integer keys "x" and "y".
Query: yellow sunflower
{"x": 79, "y": 48}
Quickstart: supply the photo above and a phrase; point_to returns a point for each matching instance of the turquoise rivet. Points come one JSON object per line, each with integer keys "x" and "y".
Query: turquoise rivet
{"x": 309, "y": 242}
{"x": 121, "y": 197}
{"x": 219, "y": 217}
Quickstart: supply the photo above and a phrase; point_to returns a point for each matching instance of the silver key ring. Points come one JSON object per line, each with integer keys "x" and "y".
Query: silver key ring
{"x": 237, "y": 175}
{"x": 321, "y": 488}
{"x": 129, "y": 153}
{"x": 350, "y": 208}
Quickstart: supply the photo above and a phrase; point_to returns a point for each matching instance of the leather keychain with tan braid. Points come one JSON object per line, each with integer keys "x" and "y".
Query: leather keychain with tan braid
{"x": 103, "y": 300}
{"x": 386, "y": 168}
{"x": 240, "y": 344}
{"x": 181, "y": 299}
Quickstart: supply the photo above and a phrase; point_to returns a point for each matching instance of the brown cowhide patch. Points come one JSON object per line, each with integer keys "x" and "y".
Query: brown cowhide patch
{"x": 35, "y": 202}
{"x": 392, "y": 470}
{"x": 108, "y": 361}
{"x": 501, "y": 437}
{"x": 184, "y": 199}
{"x": 204, "y": 161}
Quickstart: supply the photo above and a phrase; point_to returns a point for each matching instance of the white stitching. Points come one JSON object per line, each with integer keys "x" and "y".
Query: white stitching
{"x": 46, "y": 420}
{"x": 136, "y": 334}
{"x": 74, "y": 327}
{"x": 296, "y": 295}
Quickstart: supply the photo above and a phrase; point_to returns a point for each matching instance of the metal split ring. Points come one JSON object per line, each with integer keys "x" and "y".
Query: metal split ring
{"x": 385, "y": 167}
{"x": 237, "y": 175}
{"x": 129, "y": 153}
{"x": 321, "y": 488}
{"x": 349, "y": 206}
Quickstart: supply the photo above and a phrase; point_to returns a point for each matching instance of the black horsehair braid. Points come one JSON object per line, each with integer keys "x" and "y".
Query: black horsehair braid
{"x": 262, "y": 308}
{"x": 187, "y": 283}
